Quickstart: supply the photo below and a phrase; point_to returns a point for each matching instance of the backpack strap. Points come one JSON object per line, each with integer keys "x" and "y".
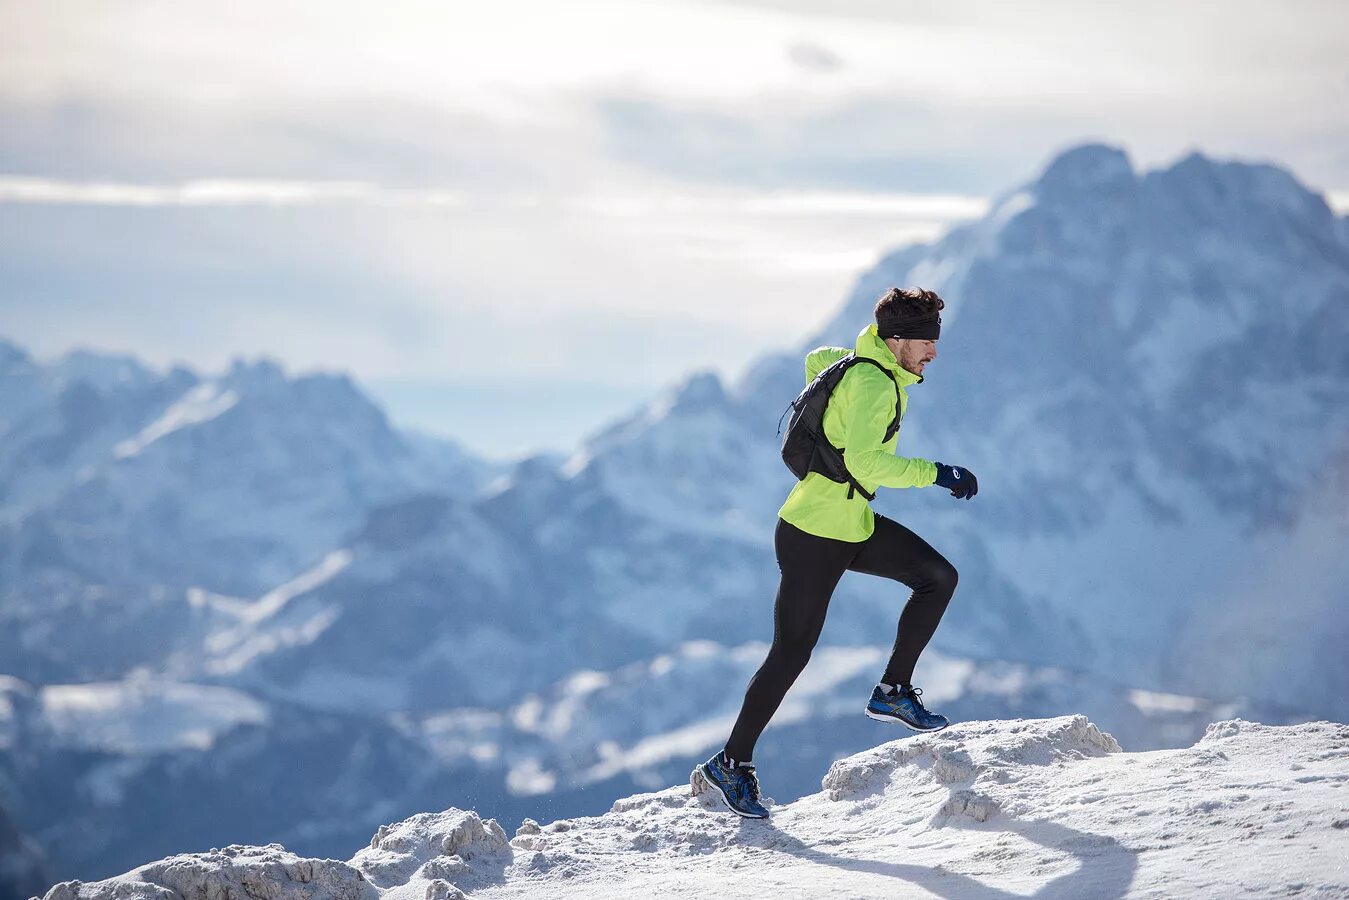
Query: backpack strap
{"x": 854, "y": 486}
{"x": 894, "y": 421}
{"x": 852, "y": 482}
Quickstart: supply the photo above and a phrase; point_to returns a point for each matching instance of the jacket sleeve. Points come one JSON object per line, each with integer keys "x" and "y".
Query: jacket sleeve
{"x": 865, "y": 415}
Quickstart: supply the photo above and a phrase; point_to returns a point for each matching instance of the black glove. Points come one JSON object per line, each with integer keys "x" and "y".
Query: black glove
{"x": 960, "y": 482}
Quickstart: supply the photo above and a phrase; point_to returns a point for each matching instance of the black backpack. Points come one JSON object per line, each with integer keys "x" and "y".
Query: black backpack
{"x": 805, "y": 447}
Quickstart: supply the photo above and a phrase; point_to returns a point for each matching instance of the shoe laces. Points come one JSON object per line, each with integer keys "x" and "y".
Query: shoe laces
{"x": 748, "y": 780}
{"x": 913, "y": 694}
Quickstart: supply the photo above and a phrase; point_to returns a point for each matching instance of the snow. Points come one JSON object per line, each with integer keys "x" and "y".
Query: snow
{"x": 422, "y": 856}
{"x": 698, "y": 737}
{"x": 145, "y": 716}
{"x": 235, "y": 871}
{"x": 1155, "y": 701}
{"x": 201, "y": 404}
{"x": 262, "y": 628}
{"x": 276, "y": 599}
{"x": 200, "y": 598}
{"x": 1183, "y": 328}
{"x": 985, "y": 809}
{"x": 235, "y": 652}
{"x": 577, "y": 686}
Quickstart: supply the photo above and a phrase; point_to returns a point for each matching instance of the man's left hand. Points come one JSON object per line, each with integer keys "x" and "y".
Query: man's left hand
{"x": 959, "y": 481}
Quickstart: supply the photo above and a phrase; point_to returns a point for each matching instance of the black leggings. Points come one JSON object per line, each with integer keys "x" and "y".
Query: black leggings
{"x": 811, "y": 568}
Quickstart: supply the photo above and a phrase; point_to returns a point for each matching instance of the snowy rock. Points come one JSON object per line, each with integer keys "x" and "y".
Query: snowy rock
{"x": 970, "y": 803}
{"x": 270, "y": 872}
{"x": 112, "y": 889}
{"x": 432, "y": 847}
{"x": 436, "y": 889}
{"x": 967, "y": 754}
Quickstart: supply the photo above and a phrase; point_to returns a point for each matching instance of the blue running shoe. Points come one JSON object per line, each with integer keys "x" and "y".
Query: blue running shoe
{"x": 737, "y": 785}
{"x": 902, "y": 705}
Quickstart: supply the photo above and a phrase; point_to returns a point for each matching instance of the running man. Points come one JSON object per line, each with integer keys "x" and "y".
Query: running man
{"x": 827, "y": 527}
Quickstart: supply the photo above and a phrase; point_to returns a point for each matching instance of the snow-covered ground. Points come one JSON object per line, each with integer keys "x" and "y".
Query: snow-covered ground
{"x": 984, "y": 810}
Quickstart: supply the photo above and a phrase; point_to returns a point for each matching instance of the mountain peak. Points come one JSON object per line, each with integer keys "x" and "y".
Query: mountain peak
{"x": 103, "y": 369}
{"x": 1087, "y": 168}
{"x": 264, "y": 369}
{"x": 11, "y": 354}
{"x": 1231, "y": 190}
{"x": 699, "y": 391}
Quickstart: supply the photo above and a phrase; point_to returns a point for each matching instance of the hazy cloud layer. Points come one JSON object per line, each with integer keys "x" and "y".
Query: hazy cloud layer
{"x": 399, "y": 189}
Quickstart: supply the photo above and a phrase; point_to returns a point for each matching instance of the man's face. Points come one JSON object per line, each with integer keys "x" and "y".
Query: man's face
{"x": 913, "y": 355}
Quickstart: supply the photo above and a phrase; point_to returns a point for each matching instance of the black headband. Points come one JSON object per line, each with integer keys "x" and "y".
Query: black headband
{"x": 922, "y": 328}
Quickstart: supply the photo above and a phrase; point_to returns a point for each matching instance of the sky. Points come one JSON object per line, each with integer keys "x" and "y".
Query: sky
{"x": 513, "y": 222}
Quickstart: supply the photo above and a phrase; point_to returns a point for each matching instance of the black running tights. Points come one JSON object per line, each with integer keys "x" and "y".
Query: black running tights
{"x": 811, "y": 568}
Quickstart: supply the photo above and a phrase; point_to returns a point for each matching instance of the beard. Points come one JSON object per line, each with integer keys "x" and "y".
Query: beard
{"x": 909, "y": 361}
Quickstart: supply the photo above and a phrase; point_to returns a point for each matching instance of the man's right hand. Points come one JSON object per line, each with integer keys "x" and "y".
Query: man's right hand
{"x": 959, "y": 481}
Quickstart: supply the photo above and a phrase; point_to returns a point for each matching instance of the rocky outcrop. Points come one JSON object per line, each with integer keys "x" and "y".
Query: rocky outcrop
{"x": 270, "y": 872}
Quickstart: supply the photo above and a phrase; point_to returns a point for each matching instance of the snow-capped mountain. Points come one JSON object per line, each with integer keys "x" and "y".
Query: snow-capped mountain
{"x": 1148, "y": 374}
{"x": 542, "y": 571}
{"x": 1142, "y": 368}
{"x": 125, "y": 493}
{"x": 1051, "y": 807}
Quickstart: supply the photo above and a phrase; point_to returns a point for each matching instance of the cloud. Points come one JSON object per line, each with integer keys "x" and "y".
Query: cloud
{"x": 814, "y": 57}
{"x": 939, "y": 207}
{"x": 964, "y": 97}
{"x": 935, "y": 208}
{"x": 870, "y": 143}
{"x": 508, "y": 59}
{"x": 386, "y": 281}
{"x": 406, "y": 188}
{"x": 216, "y": 192}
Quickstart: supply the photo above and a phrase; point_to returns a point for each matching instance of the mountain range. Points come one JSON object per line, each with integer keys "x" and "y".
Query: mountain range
{"x": 1145, "y": 370}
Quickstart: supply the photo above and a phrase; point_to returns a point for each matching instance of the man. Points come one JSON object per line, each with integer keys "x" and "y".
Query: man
{"x": 826, "y": 527}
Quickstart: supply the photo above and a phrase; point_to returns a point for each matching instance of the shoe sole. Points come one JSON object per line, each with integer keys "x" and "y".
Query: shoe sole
{"x": 700, "y": 775}
{"x": 883, "y": 718}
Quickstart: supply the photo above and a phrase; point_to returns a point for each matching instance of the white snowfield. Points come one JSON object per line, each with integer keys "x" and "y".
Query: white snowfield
{"x": 984, "y": 810}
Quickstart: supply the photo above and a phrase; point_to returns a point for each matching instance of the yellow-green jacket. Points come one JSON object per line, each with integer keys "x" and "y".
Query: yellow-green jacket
{"x": 859, "y": 410}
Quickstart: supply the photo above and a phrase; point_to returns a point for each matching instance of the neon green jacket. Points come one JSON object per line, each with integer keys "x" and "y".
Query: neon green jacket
{"x": 859, "y": 410}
